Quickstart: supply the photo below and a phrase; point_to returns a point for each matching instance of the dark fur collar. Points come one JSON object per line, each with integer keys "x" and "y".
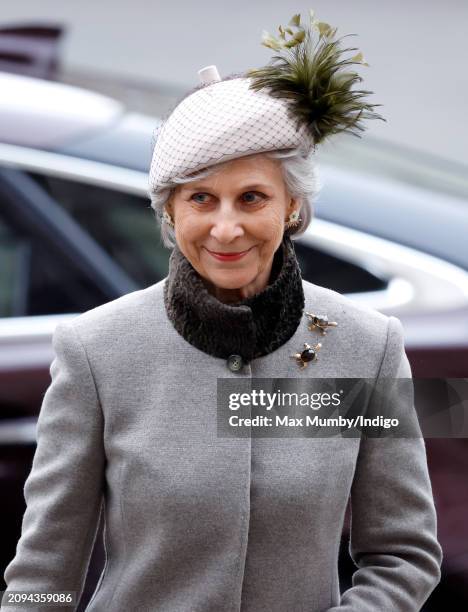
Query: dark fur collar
{"x": 253, "y": 327}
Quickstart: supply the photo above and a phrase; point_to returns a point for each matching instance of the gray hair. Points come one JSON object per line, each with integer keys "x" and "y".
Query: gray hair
{"x": 300, "y": 175}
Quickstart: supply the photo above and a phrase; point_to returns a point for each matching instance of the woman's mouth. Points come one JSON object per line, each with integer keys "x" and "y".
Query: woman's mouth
{"x": 228, "y": 256}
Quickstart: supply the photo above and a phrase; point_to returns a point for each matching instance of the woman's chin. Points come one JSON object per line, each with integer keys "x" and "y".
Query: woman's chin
{"x": 230, "y": 280}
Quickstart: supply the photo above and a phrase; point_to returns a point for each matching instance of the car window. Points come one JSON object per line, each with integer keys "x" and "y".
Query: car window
{"x": 334, "y": 273}
{"x": 122, "y": 224}
{"x": 34, "y": 281}
{"x": 10, "y": 247}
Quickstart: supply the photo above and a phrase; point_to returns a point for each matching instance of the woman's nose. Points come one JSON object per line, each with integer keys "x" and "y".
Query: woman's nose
{"x": 226, "y": 225}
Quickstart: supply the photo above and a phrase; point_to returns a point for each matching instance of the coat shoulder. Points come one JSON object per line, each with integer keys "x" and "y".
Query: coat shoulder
{"x": 139, "y": 309}
{"x": 357, "y": 321}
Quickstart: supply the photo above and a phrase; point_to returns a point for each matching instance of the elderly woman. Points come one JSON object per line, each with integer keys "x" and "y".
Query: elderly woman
{"x": 197, "y": 521}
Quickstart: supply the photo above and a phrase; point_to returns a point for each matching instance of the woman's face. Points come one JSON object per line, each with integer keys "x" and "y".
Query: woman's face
{"x": 241, "y": 208}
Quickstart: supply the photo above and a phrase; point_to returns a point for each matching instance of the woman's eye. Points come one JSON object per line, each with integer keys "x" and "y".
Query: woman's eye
{"x": 251, "y": 195}
{"x": 196, "y": 195}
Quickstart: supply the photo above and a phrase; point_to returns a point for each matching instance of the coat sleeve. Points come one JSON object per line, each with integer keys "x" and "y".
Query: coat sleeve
{"x": 63, "y": 491}
{"x": 393, "y": 534}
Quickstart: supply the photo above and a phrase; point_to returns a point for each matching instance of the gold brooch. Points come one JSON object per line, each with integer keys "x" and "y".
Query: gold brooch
{"x": 320, "y": 322}
{"x": 308, "y": 354}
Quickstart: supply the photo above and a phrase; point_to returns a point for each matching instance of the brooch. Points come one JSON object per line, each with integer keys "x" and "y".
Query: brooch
{"x": 308, "y": 354}
{"x": 319, "y": 322}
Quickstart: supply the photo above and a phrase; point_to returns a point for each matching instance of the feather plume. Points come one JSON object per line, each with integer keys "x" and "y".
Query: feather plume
{"x": 312, "y": 75}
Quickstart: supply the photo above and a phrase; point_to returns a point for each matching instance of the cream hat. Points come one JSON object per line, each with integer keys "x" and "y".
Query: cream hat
{"x": 296, "y": 101}
{"x": 224, "y": 120}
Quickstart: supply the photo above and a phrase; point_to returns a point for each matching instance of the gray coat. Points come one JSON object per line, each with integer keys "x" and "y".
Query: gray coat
{"x": 195, "y": 522}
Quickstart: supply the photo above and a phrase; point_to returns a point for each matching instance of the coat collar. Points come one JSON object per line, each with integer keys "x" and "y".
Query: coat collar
{"x": 253, "y": 327}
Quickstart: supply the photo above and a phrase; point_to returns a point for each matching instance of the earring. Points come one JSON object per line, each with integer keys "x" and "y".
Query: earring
{"x": 167, "y": 218}
{"x": 293, "y": 220}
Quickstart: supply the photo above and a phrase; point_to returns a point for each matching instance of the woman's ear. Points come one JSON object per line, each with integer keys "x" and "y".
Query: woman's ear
{"x": 168, "y": 204}
{"x": 294, "y": 204}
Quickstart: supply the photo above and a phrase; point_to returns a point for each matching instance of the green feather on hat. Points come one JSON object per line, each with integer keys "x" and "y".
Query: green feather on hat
{"x": 312, "y": 75}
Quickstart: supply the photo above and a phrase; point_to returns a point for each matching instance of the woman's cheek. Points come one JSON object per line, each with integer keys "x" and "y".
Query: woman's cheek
{"x": 270, "y": 224}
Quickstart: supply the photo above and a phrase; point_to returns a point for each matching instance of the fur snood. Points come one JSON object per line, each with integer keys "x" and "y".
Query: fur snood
{"x": 253, "y": 327}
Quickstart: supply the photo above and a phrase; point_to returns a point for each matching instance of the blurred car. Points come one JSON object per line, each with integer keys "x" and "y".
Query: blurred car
{"x": 77, "y": 230}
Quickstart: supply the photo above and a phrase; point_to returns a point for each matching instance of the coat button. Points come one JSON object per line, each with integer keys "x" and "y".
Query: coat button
{"x": 235, "y": 363}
